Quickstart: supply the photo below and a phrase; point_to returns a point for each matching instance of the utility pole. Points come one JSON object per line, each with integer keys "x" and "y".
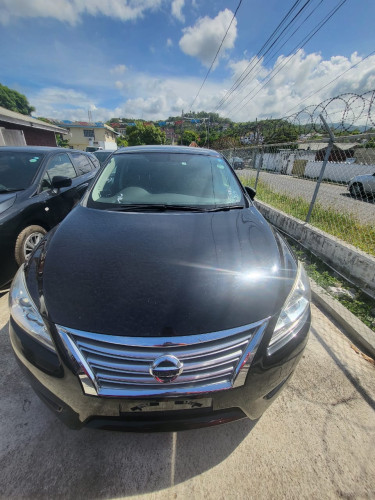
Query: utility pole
{"x": 208, "y": 133}
{"x": 182, "y": 123}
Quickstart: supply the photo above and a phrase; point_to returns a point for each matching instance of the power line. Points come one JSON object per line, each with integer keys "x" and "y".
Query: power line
{"x": 217, "y": 53}
{"x": 312, "y": 33}
{"x": 259, "y": 54}
{"x": 329, "y": 83}
{"x": 278, "y": 49}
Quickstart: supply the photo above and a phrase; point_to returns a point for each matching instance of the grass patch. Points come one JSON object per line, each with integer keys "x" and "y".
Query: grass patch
{"x": 361, "y": 305}
{"x": 342, "y": 225}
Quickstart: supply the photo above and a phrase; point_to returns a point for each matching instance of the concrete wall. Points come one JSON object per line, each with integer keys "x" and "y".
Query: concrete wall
{"x": 339, "y": 172}
{"x": 355, "y": 265}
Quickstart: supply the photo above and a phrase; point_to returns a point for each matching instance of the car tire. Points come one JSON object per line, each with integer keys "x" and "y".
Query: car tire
{"x": 27, "y": 241}
{"x": 357, "y": 190}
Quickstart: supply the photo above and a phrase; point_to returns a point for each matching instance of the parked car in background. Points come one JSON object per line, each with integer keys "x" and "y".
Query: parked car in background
{"x": 38, "y": 188}
{"x": 94, "y": 159}
{"x": 171, "y": 302}
{"x": 237, "y": 163}
{"x": 103, "y": 155}
{"x": 362, "y": 185}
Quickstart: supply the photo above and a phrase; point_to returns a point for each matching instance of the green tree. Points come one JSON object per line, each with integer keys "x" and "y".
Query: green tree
{"x": 121, "y": 142}
{"x": 153, "y": 135}
{"x": 61, "y": 142}
{"x": 189, "y": 136}
{"x": 139, "y": 134}
{"x": 14, "y": 101}
{"x": 135, "y": 134}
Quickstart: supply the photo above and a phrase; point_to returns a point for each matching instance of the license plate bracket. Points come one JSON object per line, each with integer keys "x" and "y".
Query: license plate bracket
{"x": 141, "y": 406}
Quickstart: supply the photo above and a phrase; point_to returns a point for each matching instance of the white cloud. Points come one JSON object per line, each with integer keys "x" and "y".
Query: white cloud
{"x": 169, "y": 43}
{"x": 155, "y": 97}
{"x": 119, "y": 85}
{"x": 119, "y": 69}
{"x": 71, "y": 11}
{"x": 177, "y": 6}
{"x": 203, "y": 39}
{"x": 303, "y": 75}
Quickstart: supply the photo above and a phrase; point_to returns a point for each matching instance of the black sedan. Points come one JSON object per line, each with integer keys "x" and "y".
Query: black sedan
{"x": 38, "y": 188}
{"x": 163, "y": 301}
{"x": 103, "y": 155}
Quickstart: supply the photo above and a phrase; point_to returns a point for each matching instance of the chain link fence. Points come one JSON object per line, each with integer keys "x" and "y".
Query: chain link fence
{"x": 330, "y": 185}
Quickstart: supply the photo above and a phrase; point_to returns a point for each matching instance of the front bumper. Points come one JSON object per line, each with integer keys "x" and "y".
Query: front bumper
{"x": 54, "y": 378}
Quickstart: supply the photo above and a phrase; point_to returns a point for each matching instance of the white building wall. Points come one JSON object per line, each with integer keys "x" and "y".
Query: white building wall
{"x": 339, "y": 172}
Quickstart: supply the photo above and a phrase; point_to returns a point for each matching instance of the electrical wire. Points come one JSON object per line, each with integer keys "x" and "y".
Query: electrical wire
{"x": 245, "y": 73}
{"x": 291, "y": 55}
{"x": 217, "y": 53}
{"x": 329, "y": 83}
{"x": 265, "y": 61}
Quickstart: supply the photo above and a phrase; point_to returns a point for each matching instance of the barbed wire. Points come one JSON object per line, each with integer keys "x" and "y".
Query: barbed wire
{"x": 343, "y": 113}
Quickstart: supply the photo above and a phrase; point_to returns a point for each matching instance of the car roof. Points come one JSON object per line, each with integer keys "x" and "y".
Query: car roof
{"x": 38, "y": 149}
{"x": 168, "y": 149}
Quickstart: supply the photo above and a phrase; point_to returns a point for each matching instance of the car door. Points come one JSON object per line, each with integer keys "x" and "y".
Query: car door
{"x": 86, "y": 171}
{"x": 57, "y": 203}
{"x": 369, "y": 184}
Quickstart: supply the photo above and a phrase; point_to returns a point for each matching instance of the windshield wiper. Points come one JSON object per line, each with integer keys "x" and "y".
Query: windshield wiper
{"x": 129, "y": 207}
{"x": 11, "y": 190}
{"x": 157, "y": 206}
{"x": 224, "y": 208}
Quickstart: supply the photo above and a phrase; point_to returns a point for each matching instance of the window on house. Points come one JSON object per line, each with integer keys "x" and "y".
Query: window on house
{"x": 88, "y": 133}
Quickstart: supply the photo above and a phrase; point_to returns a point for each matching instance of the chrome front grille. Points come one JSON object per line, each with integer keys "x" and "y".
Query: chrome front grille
{"x": 120, "y": 366}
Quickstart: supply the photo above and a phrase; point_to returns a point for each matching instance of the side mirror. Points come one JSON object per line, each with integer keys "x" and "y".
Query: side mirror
{"x": 59, "y": 181}
{"x": 250, "y": 191}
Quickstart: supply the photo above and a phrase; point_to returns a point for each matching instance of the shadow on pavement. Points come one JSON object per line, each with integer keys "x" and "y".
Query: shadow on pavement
{"x": 364, "y": 199}
{"x": 40, "y": 457}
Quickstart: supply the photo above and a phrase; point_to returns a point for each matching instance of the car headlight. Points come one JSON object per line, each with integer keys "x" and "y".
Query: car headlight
{"x": 294, "y": 313}
{"x": 25, "y": 313}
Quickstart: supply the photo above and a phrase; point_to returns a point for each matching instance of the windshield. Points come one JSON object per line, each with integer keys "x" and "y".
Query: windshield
{"x": 18, "y": 169}
{"x": 166, "y": 178}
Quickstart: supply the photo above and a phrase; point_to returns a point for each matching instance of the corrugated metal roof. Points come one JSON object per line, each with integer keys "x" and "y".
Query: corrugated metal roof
{"x": 6, "y": 115}
{"x": 318, "y": 146}
{"x": 346, "y": 145}
{"x": 87, "y": 125}
{"x": 313, "y": 146}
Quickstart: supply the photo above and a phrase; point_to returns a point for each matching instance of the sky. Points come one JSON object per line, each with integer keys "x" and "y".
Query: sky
{"x": 147, "y": 58}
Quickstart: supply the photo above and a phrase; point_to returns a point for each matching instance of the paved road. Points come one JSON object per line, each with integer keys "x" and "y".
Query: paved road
{"x": 316, "y": 441}
{"x": 330, "y": 195}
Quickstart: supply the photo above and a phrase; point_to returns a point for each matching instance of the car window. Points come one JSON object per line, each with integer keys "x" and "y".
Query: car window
{"x": 58, "y": 165}
{"x": 18, "y": 169}
{"x": 94, "y": 160}
{"x": 82, "y": 163}
{"x": 166, "y": 178}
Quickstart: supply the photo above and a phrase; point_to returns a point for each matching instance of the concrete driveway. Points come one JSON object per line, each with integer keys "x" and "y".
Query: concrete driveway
{"x": 316, "y": 441}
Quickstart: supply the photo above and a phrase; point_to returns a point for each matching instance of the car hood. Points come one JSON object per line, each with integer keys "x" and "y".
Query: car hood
{"x": 162, "y": 274}
{"x": 363, "y": 178}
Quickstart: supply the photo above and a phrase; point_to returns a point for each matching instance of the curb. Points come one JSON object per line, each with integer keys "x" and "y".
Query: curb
{"x": 357, "y": 331}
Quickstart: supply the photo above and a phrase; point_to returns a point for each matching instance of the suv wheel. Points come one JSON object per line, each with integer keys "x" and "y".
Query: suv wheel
{"x": 357, "y": 190}
{"x": 26, "y": 242}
